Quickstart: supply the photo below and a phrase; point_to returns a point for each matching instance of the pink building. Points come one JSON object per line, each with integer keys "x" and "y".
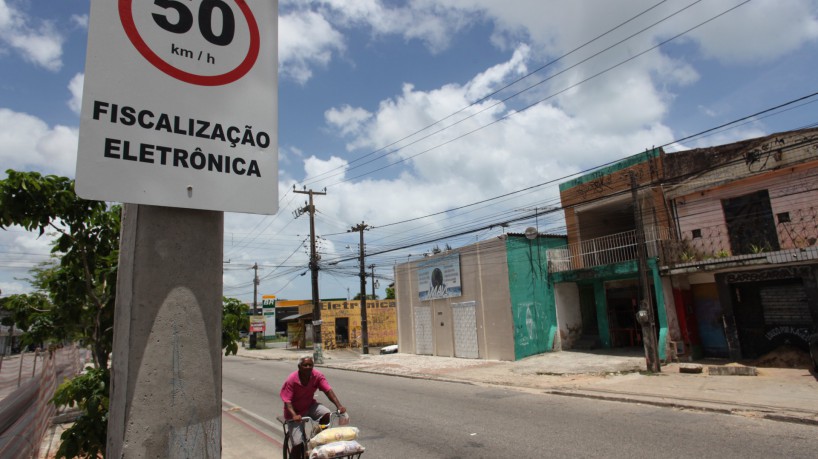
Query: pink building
{"x": 745, "y": 262}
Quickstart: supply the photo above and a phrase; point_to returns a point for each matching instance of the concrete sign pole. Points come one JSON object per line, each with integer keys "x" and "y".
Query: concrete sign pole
{"x": 180, "y": 121}
{"x": 166, "y": 368}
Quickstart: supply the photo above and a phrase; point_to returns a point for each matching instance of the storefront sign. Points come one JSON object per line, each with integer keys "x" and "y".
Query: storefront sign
{"x": 439, "y": 278}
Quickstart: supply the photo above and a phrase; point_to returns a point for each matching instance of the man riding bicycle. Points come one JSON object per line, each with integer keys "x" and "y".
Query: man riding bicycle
{"x": 298, "y": 395}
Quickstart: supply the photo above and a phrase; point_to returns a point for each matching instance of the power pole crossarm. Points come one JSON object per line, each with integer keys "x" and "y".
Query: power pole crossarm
{"x": 318, "y": 355}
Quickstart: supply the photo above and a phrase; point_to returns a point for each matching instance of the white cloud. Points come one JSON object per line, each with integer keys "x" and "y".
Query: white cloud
{"x": 75, "y": 87}
{"x": 759, "y": 31}
{"x": 28, "y": 143}
{"x": 40, "y": 44}
{"x": 80, "y": 21}
{"x": 314, "y": 167}
{"x": 311, "y": 33}
{"x": 488, "y": 81}
{"x": 432, "y": 23}
{"x": 347, "y": 119}
{"x": 306, "y": 39}
{"x": 22, "y": 251}
{"x": 540, "y": 144}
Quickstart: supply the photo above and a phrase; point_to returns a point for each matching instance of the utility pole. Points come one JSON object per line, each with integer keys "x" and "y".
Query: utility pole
{"x": 645, "y": 314}
{"x": 317, "y": 353}
{"x": 372, "y": 267}
{"x": 364, "y": 333}
{"x": 254, "y": 336}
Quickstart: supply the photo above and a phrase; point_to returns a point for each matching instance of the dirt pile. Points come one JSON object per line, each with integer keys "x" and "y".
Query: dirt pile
{"x": 785, "y": 356}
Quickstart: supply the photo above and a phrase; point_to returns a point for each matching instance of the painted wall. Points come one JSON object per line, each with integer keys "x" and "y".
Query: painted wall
{"x": 569, "y": 315}
{"x": 381, "y": 320}
{"x": 792, "y": 190}
{"x": 532, "y": 298}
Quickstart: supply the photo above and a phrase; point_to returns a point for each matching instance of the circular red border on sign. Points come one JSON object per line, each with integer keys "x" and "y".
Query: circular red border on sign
{"x": 126, "y": 16}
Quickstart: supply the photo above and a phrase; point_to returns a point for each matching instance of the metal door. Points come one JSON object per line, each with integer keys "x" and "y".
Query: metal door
{"x": 423, "y": 330}
{"x": 465, "y": 330}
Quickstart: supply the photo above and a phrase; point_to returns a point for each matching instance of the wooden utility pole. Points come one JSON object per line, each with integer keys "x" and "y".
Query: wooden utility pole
{"x": 372, "y": 267}
{"x": 254, "y": 336}
{"x": 317, "y": 352}
{"x": 364, "y": 331}
{"x": 644, "y": 315}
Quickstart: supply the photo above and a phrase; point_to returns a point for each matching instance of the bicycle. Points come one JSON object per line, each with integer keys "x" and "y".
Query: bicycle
{"x": 315, "y": 427}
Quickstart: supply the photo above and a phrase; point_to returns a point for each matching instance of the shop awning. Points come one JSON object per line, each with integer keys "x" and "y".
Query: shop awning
{"x": 296, "y": 317}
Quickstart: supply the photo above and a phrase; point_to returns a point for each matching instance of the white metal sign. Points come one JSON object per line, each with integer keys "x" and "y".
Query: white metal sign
{"x": 180, "y": 104}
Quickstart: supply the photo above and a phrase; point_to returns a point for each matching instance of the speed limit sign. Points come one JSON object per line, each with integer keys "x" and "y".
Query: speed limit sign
{"x": 180, "y": 104}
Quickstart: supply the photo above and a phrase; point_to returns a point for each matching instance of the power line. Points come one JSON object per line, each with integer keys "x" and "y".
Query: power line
{"x": 511, "y": 114}
{"x": 493, "y": 93}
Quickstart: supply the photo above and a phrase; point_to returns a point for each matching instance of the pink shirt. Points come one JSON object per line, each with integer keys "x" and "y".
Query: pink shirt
{"x": 302, "y": 397}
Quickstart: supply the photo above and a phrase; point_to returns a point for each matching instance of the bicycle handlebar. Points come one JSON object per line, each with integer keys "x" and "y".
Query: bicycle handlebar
{"x": 304, "y": 419}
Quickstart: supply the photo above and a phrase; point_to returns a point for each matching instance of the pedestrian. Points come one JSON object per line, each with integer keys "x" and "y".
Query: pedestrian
{"x": 298, "y": 395}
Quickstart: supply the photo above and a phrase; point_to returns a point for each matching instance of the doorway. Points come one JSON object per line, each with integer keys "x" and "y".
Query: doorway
{"x": 342, "y": 331}
{"x": 623, "y": 302}
{"x": 587, "y": 305}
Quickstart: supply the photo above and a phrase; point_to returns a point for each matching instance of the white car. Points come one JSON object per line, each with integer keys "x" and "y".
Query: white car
{"x": 393, "y": 349}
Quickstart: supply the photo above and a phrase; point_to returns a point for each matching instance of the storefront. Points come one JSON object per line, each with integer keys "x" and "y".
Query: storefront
{"x": 767, "y": 308}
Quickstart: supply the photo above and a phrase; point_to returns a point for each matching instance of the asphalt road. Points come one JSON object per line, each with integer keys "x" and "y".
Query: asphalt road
{"x": 417, "y": 419}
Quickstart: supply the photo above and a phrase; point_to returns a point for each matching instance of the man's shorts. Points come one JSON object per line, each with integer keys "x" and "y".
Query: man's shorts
{"x": 316, "y": 411}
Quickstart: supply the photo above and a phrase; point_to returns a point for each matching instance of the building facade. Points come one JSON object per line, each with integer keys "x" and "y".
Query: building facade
{"x": 341, "y": 322}
{"x": 597, "y": 274}
{"x": 729, "y": 236}
{"x": 488, "y": 300}
{"x": 746, "y": 260}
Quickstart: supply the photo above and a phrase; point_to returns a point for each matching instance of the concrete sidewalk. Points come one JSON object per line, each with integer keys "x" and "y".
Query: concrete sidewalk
{"x": 783, "y": 394}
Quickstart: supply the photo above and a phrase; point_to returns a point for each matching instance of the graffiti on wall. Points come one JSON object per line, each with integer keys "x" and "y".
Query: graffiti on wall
{"x": 381, "y": 320}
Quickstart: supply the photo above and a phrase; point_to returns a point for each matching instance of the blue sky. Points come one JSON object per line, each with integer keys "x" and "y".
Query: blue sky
{"x": 360, "y": 75}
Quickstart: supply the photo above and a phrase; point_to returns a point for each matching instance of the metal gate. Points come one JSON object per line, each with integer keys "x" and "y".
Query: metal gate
{"x": 423, "y": 330}
{"x": 465, "y": 330}
{"x": 785, "y": 305}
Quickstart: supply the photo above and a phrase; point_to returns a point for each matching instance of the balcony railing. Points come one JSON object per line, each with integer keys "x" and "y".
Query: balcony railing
{"x": 606, "y": 250}
{"x": 797, "y": 240}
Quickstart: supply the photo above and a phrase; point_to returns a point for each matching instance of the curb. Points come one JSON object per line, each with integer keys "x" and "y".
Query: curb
{"x": 731, "y": 410}
{"x": 398, "y": 375}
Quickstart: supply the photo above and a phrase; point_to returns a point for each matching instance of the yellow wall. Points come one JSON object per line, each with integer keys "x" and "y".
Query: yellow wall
{"x": 381, "y": 319}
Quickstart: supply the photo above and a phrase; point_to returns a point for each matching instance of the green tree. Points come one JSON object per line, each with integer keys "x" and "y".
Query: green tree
{"x": 390, "y": 292}
{"x": 83, "y": 281}
{"x": 234, "y": 319}
{"x": 87, "y": 436}
{"x": 33, "y": 314}
{"x": 76, "y": 293}
{"x": 357, "y": 297}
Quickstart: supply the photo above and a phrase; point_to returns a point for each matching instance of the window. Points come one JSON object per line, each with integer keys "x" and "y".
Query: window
{"x": 783, "y": 217}
{"x": 750, "y": 223}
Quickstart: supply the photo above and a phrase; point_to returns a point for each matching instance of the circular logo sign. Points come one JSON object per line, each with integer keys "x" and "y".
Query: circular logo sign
{"x": 201, "y": 42}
